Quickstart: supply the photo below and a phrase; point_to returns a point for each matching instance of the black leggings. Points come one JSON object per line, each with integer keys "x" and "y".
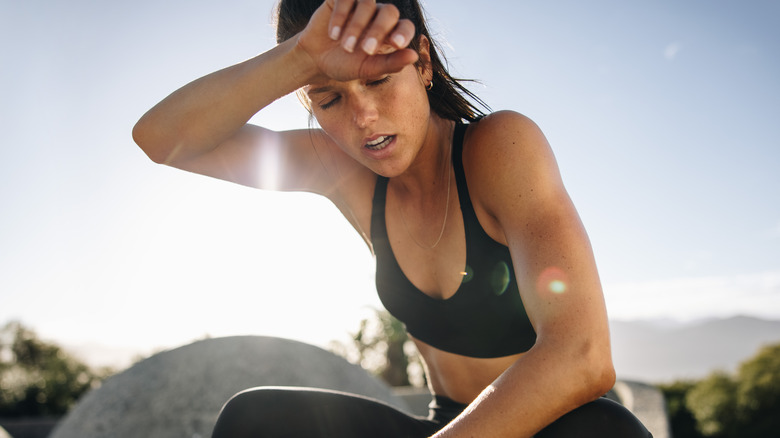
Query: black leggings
{"x": 276, "y": 412}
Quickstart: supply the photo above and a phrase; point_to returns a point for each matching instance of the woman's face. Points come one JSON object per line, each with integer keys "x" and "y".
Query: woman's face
{"x": 380, "y": 122}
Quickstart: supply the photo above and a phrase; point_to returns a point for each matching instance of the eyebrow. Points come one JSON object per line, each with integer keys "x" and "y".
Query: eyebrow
{"x": 325, "y": 89}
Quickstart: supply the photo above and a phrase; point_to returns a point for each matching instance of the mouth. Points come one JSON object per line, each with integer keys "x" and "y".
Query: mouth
{"x": 379, "y": 143}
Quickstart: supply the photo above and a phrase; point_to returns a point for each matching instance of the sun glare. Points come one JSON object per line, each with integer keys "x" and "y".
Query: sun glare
{"x": 269, "y": 161}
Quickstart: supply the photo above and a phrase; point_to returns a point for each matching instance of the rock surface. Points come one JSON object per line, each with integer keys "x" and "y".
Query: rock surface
{"x": 647, "y": 403}
{"x": 180, "y": 392}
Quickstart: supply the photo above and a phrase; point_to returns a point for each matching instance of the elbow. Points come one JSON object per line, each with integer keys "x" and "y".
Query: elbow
{"x": 141, "y": 138}
{"x": 603, "y": 379}
{"x": 589, "y": 371}
{"x": 586, "y": 368}
{"x": 143, "y": 135}
{"x": 598, "y": 372}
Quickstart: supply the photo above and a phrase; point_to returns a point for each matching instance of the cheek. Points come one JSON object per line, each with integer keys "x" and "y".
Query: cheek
{"x": 334, "y": 130}
{"x": 331, "y": 121}
{"x": 337, "y": 131}
{"x": 414, "y": 108}
{"x": 409, "y": 102}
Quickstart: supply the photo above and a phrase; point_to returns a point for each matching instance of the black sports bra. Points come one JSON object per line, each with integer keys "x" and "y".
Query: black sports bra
{"x": 486, "y": 317}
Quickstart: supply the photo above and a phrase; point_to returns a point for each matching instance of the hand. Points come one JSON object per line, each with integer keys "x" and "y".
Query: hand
{"x": 357, "y": 39}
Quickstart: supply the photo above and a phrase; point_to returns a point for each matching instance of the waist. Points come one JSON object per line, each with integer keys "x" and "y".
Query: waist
{"x": 460, "y": 378}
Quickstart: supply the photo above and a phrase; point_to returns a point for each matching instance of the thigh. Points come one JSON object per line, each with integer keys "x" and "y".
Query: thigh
{"x": 602, "y": 418}
{"x": 304, "y": 412}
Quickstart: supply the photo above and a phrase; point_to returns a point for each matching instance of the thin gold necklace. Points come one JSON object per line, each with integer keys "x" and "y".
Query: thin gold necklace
{"x": 446, "y": 210}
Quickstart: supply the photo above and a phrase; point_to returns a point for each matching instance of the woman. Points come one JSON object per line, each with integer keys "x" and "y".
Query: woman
{"x": 479, "y": 249}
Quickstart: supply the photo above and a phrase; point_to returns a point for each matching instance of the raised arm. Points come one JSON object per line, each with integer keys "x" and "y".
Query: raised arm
{"x": 516, "y": 184}
{"x": 203, "y": 128}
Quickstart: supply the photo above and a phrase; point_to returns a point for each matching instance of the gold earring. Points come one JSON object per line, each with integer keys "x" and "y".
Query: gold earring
{"x": 429, "y": 87}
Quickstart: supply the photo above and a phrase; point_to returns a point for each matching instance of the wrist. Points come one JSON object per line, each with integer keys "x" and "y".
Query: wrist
{"x": 303, "y": 68}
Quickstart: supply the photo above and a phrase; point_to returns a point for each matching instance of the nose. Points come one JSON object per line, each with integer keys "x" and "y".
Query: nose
{"x": 365, "y": 111}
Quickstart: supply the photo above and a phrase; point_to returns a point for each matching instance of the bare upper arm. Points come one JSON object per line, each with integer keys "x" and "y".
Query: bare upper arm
{"x": 298, "y": 160}
{"x": 516, "y": 182}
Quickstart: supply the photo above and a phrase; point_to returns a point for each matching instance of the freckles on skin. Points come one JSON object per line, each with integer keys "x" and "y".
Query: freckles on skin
{"x": 402, "y": 110}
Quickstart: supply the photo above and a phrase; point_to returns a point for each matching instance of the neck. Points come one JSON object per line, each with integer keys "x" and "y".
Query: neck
{"x": 428, "y": 172}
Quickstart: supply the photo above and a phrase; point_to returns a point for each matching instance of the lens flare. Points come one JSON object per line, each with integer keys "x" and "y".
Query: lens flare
{"x": 557, "y": 286}
{"x": 499, "y": 278}
{"x": 467, "y": 274}
{"x": 268, "y": 162}
{"x": 553, "y": 280}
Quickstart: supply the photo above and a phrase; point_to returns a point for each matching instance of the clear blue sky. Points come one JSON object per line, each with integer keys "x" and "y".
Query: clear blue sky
{"x": 663, "y": 116}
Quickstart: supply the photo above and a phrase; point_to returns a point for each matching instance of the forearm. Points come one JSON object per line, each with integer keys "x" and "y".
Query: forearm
{"x": 204, "y": 113}
{"x": 545, "y": 383}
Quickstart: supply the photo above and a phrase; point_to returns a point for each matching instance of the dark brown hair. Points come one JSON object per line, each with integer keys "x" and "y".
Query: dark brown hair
{"x": 448, "y": 98}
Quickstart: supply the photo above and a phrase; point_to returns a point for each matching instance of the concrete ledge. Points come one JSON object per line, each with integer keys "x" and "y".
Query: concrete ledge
{"x": 647, "y": 403}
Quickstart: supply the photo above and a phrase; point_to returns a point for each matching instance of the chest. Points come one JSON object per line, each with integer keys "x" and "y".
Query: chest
{"x": 459, "y": 296}
{"x": 431, "y": 254}
{"x": 430, "y": 241}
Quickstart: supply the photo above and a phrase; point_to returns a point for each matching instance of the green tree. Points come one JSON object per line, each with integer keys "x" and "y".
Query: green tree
{"x": 713, "y": 403}
{"x": 743, "y": 405}
{"x": 758, "y": 394}
{"x": 38, "y": 378}
{"x": 382, "y": 347}
{"x": 681, "y": 420}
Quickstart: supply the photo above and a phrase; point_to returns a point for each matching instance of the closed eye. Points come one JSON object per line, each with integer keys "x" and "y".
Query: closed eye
{"x": 329, "y": 103}
{"x": 378, "y": 82}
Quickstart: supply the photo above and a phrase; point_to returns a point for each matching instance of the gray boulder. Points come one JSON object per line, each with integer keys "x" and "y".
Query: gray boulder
{"x": 179, "y": 393}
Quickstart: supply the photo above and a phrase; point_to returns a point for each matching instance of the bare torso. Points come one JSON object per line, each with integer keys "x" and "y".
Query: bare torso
{"x": 434, "y": 271}
{"x": 459, "y": 377}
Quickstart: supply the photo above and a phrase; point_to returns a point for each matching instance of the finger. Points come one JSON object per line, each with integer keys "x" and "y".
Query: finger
{"x": 402, "y": 34}
{"x": 339, "y": 16}
{"x": 399, "y": 39}
{"x": 384, "y": 22}
{"x": 361, "y": 16}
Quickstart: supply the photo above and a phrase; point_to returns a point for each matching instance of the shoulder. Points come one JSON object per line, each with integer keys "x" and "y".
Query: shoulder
{"x": 510, "y": 166}
{"x": 508, "y": 148}
{"x": 505, "y": 128}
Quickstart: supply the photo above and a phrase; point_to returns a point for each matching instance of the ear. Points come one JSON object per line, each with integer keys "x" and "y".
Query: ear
{"x": 424, "y": 66}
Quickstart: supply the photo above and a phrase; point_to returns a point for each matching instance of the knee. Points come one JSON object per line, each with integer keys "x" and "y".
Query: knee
{"x": 248, "y": 412}
{"x": 600, "y": 418}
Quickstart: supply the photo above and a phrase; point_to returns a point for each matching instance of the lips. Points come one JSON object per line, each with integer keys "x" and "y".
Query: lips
{"x": 379, "y": 143}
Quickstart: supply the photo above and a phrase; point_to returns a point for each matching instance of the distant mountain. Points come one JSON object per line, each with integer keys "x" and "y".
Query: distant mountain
{"x": 651, "y": 351}
{"x": 662, "y": 351}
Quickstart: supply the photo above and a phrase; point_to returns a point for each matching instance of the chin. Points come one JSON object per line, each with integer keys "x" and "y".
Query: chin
{"x": 388, "y": 170}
